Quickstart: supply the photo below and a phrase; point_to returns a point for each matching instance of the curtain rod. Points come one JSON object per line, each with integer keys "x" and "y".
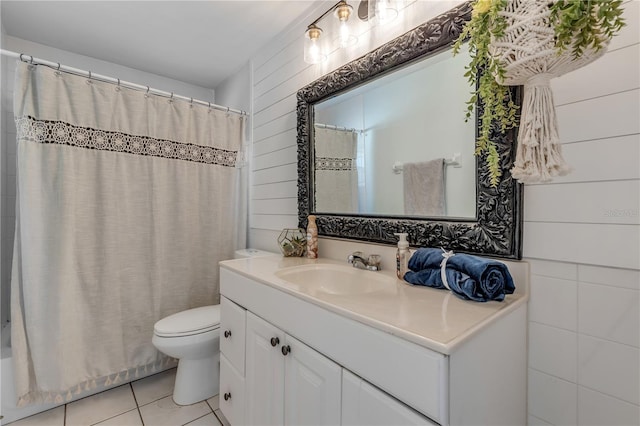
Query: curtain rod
{"x": 56, "y": 65}
{"x": 332, "y": 127}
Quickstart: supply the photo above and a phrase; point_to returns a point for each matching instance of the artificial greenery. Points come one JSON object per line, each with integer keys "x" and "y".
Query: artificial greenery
{"x": 578, "y": 25}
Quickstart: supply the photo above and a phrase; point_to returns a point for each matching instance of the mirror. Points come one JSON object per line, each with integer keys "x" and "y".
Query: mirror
{"x": 410, "y": 119}
{"x": 349, "y": 145}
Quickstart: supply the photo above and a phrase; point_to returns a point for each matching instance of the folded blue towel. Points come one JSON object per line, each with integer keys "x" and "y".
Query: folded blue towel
{"x": 470, "y": 277}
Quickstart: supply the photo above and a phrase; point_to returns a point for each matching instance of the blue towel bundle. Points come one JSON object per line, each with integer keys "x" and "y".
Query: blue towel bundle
{"x": 469, "y": 277}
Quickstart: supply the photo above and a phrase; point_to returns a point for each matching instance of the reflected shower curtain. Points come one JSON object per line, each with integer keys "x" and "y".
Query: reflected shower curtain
{"x": 126, "y": 204}
{"x": 336, "y": 172}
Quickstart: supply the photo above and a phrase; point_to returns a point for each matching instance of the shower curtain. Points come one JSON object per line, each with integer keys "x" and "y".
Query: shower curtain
{"x": 336, "y": 172}
{"x": 126, "y": 204}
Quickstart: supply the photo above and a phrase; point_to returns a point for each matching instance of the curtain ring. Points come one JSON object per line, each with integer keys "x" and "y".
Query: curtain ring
{"x": 191, "y": 103}
{"x": 58, "y": 69}
{"x": 209, "y": 107}
{"x": 118, "y": 86}
{"x": 228, "y": 110}
{"x": 31, "y": 59}
{"x": 21, "y": 57}
{"x": 171, "y": 98}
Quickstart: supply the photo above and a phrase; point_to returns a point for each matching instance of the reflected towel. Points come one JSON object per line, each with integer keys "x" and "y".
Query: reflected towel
{"x": 470, "y": 277}
{"x": 424, "y": 188}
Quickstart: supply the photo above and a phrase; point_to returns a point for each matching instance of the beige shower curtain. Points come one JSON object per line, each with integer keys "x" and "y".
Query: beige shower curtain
{"x": 126, "y": 204}
{"x": 336, "y": 172}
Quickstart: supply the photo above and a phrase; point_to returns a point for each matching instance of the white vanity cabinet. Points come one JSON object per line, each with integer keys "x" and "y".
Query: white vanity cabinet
{"x": 365, "y": 405}
{"x": 308, "y": 361}
{"x": 287, "y": 382}
{"x": 232, "y": 361}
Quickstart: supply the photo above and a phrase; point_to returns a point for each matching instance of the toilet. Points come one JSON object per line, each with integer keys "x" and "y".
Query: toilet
{"x": 193, "y": 338}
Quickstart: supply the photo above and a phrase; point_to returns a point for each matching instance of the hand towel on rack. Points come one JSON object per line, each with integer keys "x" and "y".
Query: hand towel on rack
{"x": 470, "y": 277}
{"x": 424, "y": 188}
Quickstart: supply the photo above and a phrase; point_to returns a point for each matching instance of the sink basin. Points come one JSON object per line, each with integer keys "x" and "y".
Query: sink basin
{"x": 335, "y": 279}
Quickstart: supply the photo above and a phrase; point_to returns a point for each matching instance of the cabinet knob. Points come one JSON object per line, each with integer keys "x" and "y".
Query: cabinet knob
{"x": 227, "y": 396}
{"x": 286, "y": 350}
{"x": 227, "y": 334}
{"x": 275, "y": 341}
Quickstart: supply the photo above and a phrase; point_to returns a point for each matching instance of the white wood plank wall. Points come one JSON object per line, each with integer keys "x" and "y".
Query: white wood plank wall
{"x": 279, "y": 71}
{"x": 582, "y": 237}
{"x": 581, "y": 233}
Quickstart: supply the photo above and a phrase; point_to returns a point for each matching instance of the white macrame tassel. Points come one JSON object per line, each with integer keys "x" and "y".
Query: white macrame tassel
{"x": 528, "y": 53}
{"x": 539, "y": 156}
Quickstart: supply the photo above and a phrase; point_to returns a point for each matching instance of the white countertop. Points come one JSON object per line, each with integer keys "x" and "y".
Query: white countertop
{"x": 435, "y": 319}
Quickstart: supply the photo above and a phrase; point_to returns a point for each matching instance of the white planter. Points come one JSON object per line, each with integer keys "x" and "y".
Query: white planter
{"x": 530, "y": 58}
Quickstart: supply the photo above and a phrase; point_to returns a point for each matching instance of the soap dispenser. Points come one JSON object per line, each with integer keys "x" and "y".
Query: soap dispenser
{"x": 402, "y": 255}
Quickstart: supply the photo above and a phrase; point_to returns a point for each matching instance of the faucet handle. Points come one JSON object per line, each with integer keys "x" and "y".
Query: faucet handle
{"x": 353, "y": 255}
{"x": 374, "y": 262}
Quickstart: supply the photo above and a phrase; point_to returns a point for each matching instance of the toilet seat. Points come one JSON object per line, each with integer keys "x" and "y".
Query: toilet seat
{"x": 189, "y": 322}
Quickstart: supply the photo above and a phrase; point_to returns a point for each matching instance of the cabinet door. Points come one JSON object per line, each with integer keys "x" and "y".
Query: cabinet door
{"x": 232, "y": 329}
{"x": 264, "y": 373}
{"x": 231, "y": 392}
{"x": 365, "y": 405}
{"x": 312, "y": 386}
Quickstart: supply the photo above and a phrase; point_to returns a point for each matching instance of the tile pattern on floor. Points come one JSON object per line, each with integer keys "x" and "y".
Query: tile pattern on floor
{"x": 145, "y": 402}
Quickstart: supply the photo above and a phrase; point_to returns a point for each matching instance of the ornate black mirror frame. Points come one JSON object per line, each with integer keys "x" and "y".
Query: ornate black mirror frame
{"x": 496, "y": 230}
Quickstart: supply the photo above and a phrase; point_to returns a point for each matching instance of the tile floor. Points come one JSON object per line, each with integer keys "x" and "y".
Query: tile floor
{"x": 145, "y": 402}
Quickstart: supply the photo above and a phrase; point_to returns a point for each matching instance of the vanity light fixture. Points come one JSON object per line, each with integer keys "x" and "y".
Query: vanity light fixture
{"x": 312, "y": 51}
{"x": 382, "y": 11}
{"x": 342, "y": 12}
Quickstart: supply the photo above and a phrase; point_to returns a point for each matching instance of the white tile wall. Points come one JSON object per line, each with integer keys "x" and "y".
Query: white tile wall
{"x": 552, "y": 399}
{"x": 609, "y": 367}
{"x": 597, "y": 409}
{"x": 581, "y": 233}
{"x": 553, "y": 350}
{"x": 609, "y": 313}
{"x": 554, "y": 302}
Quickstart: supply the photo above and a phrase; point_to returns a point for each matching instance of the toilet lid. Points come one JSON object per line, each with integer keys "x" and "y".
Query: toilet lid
{"x": 192, "y": 321}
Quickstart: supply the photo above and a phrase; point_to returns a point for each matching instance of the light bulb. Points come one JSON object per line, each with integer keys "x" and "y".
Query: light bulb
{"x": 312, "y": 51}
{"x": 382, "y": 11}
{"x": 345, "y": 34}
{"x": 342, "y": 12}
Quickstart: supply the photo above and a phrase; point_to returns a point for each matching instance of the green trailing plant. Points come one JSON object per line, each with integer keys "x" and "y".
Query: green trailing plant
{"x": 578, "y": 25}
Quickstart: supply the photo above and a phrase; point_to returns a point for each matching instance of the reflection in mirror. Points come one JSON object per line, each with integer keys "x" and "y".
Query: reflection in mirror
{"x": 388, "y": 147}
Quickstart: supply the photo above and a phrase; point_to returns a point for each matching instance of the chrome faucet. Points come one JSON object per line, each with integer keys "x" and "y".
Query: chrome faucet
{"x": 371, "y": 263}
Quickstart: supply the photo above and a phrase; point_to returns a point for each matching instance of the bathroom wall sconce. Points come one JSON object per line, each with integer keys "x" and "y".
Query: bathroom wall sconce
{"x": 342, "y": 12}
{"x": 381, "y": 12}
{"x": 314, "y": 49}
{"x": 377, "y": 12}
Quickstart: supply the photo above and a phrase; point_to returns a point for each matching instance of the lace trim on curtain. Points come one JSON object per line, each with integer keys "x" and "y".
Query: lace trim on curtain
{"x": 61, "y": 397}
{"x": 59, "y": 132}
{"x": 332, "y": 163}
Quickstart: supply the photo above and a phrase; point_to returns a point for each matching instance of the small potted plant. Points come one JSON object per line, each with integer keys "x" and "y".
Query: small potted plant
{"x": 528, "y": 42}
{"x": 292, "y": 242}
